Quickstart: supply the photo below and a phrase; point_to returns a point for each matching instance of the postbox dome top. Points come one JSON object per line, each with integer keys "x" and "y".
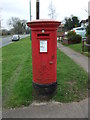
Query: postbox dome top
{"x": 44, "y": 20}
{"x": 43, "y": 23}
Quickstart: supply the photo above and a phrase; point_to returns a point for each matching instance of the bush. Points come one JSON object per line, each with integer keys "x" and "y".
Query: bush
{"x": 71, "y": 33}
{"x": 72, "y": 36}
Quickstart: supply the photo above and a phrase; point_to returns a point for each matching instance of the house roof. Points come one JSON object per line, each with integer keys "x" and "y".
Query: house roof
{"x": 62, "y": 25}
{"x": 84, "y": 21}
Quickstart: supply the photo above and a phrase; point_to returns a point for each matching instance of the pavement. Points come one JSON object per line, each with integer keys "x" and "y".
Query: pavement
{"x": 50, "y": 110}
{"x": 75, "y": 56}
{"x": 54, "y": 109}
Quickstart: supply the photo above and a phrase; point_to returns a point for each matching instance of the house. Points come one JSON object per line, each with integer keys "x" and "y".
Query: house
{"x": 84, "y": 23}
{"x": 61, "y": 31}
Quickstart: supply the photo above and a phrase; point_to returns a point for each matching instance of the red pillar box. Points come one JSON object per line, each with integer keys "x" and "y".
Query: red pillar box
{"x": 44, "y": 55}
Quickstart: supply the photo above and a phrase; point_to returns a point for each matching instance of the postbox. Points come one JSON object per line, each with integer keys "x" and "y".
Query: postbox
{"x": 44, "y": 55}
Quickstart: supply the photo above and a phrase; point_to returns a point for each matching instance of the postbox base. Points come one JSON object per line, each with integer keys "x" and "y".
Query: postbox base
{"x": 45, "y": 90}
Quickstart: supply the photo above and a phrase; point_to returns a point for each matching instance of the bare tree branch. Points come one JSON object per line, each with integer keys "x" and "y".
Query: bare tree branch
{"x": 52, "y": 11}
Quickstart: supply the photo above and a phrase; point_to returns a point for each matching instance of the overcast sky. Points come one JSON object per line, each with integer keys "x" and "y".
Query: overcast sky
{"x": 20, "y": 8}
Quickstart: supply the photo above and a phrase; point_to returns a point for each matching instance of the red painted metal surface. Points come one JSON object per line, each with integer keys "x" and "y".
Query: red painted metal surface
{"x": 44, "y": 60}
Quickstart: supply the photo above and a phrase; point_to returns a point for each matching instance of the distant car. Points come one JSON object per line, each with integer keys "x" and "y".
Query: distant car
{"x": 81, "y": 31}
{"x": 15, "y": 38}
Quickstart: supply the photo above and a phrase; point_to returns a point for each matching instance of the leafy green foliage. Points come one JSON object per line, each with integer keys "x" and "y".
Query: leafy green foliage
{"x": 71, "y": 22}
{"x": 19, "y": 26}
{"x": 74, "y": 37}
{"x": 71, "y": 33}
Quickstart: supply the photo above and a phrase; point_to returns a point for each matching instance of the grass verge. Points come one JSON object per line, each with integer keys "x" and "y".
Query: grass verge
{"x": 17, "y": 76}
{"x": 78, "y": 48}
{"x": 72, "y": 80}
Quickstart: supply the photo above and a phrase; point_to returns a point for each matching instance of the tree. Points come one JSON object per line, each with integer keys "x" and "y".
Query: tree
{"x": 19, "y": 26}
{"x": 27, "y": 30}
{"x": 68, "y": 23}
{"x": 52, "y": 11}
{"x": 5, "y": 32}
{"x": 71, "y": 22}
{"x": 75, "y": 22}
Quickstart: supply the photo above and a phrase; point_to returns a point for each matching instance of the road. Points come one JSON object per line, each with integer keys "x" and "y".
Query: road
{"x": 8, "y": 40}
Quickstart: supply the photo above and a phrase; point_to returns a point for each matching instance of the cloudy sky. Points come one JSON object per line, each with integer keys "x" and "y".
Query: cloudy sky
{"x": 20, "y": 8}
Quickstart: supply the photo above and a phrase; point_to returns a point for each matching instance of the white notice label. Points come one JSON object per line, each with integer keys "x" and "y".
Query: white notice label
{"x": 43, "y": 45}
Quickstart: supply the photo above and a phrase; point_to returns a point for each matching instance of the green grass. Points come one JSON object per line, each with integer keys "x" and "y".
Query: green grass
{"x": 72, "y": 80}
{"x": 78, "y": 48}
{"x": 17, "y": 76}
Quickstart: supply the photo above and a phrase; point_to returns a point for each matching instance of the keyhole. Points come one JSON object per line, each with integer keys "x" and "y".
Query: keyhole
{"x": 52, "y": 56}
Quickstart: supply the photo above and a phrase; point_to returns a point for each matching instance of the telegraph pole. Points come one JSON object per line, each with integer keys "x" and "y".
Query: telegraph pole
{"x": 37, "y": 9}
{"x": 89, "y": 12}
{"x": 30, "y": 19}
{"x": 30, "y": 10}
